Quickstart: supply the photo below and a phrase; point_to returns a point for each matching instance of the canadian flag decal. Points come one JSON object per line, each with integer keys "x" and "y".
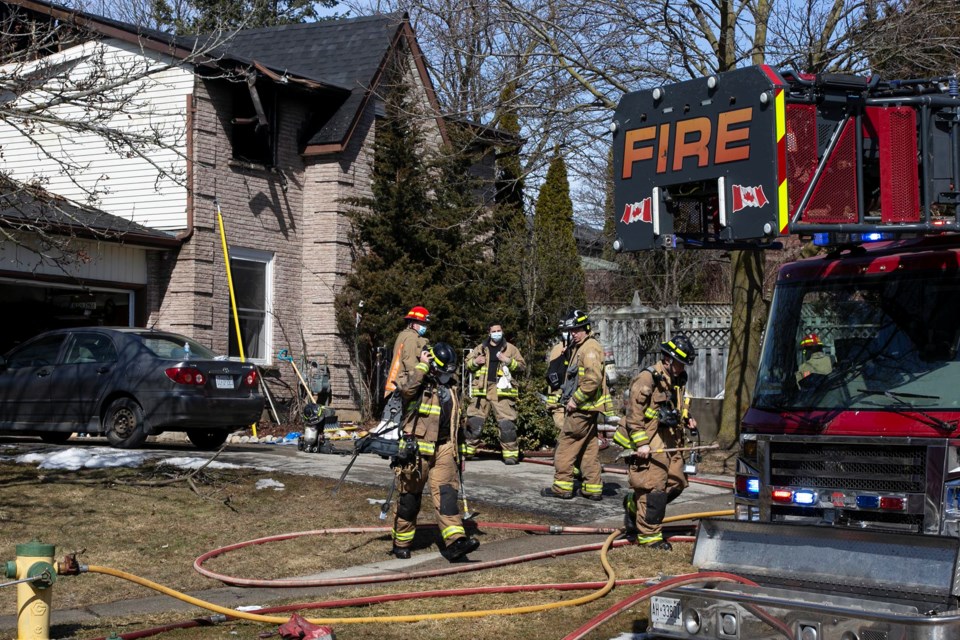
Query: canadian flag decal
{"x": 638, "y": 211}
{"x": 744, "y": 197}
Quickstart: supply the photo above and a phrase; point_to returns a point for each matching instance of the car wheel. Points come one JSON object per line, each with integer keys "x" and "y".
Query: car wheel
{"x": 56, "y": 437}
{"x": 124, "y": 424}
{"x": 207, "y": 440}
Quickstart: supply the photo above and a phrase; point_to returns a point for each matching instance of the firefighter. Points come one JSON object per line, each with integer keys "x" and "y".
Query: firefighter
{"x": 407, "y": 348}
{"x": 655, "y": 419}
{"x": 428, "y": 453}
{"x": 815, "y": 361}
{"x": 584, "y": 396}
{"x": 494, "y": 363}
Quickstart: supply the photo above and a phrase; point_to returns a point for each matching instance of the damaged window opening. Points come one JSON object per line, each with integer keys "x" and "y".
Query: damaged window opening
{"x": 254, "y": 121}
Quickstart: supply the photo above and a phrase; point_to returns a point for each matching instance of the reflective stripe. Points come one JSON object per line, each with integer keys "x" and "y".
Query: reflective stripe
{"x": 566, "y": 487}
{"x": 423, "y": 366}
{"x": 508, "y": 453}
{"x": 467, "y": 450}
{"x": 638, "y": 437}
{"x": 426, "y": 448}
{"x": 449, "y": 532}
{"x": 592, "y": 488}
{"x": 631, "y": 504}
{"x": 648, "y": 539}
{"x": 404, "y": 537}
{"x": 429, "y": 409}
{"x": 596, "y": 404}
{"x": 622, "y": 440}
{"x": 512, "y": 392}
{"x": 650, "y": 413}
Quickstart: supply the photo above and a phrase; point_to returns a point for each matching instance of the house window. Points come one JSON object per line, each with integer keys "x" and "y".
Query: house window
{"x": 254, "y": 122}
{"x": 252, "y": 273}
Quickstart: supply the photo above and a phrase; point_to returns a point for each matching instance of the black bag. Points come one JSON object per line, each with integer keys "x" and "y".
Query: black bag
{"x": 556, "y": 371}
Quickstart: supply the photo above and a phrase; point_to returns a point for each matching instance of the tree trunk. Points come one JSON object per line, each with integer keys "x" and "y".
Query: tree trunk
{"x": 749, "y": 316}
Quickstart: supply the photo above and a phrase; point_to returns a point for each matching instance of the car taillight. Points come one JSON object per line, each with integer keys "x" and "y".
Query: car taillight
{"x": 186, "y": 375}
{"x": 250, "y": 380}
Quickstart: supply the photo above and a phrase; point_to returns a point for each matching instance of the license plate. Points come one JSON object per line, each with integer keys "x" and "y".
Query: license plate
{"x": 665, "y": 612}
{"x": 224, "y": 382}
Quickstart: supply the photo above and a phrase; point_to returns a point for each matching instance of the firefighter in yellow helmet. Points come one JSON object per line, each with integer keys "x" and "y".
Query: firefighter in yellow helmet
{"x": 428, "y": 453}
{"x": 655, "y": 421}
{"x": 407, "y": 349}
{"x": 815, "y": 361}
{"x": 494, "y": 363}
{"x": 585, "y": 397}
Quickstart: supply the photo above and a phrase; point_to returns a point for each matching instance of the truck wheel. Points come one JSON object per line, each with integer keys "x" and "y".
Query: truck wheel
{"x": 207, "y": 440}
{"x": 124, "y": 424}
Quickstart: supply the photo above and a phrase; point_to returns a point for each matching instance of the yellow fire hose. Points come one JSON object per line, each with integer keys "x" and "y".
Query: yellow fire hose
{"x": 243, "y": 615}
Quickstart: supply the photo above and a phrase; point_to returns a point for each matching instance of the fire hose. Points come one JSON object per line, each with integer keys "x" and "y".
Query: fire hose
{"x": 603, "y": 589}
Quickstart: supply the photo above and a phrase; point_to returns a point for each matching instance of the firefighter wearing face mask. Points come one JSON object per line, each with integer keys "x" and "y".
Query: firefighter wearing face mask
{"x": 494, "y": 364}
{"x": 655, "y": 420}
{"x": 585, "y": 397}
{"x": 431, "y": 426}
{"x": 407, "y": 348}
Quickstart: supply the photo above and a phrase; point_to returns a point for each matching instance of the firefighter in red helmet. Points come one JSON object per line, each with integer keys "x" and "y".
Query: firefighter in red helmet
{"x": 407, "y": 348}
{"x": 814, "y": 362}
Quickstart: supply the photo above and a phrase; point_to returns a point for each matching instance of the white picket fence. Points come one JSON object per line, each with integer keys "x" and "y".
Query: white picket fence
{"x": 634, "y": 335}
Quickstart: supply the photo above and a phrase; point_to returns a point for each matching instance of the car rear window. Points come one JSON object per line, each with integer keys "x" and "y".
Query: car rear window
{"x": 171, "y": 347}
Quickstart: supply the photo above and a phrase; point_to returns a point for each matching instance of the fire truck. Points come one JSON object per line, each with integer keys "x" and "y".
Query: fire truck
{"x": 847, "y": 491}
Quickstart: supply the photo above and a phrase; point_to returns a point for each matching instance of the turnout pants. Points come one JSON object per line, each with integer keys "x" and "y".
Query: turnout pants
{"x": 504, "y": 410}
{"x": 655, "y": 481}
{"x": 440, "y": 470}
{"x": 578, "y": 440}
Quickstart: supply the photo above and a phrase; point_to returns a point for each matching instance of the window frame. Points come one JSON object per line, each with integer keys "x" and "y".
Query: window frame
{"x": 265, "y": 258}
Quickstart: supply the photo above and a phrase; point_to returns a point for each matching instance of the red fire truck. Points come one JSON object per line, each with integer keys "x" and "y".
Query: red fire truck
{"x": 847, "y": 493}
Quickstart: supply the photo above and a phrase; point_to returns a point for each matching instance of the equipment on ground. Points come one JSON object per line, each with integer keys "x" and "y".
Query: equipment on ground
{"x": 847, "y": 487}
{"x": 317, "y": 419}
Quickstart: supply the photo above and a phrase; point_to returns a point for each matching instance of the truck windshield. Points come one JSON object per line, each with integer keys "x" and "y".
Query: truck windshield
{"x": 884, "y": 343}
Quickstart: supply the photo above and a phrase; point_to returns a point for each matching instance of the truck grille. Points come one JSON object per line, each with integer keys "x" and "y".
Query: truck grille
{"x": 883, "y": 468}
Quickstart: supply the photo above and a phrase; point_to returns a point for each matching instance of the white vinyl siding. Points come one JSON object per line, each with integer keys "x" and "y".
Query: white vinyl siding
{"x": 145, "y": 183}
{"x": 79, "y": 259}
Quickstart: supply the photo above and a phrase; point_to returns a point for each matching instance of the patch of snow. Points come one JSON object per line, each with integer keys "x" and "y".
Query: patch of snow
{"x": 269, "y": 483}
{"x": 74, "y": 459}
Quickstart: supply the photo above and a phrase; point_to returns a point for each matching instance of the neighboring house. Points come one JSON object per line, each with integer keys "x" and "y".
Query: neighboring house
{"x": 275, "y": 124}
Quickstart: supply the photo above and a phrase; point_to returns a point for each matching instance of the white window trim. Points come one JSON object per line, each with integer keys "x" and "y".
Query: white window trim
{"x": 267, "y": 258}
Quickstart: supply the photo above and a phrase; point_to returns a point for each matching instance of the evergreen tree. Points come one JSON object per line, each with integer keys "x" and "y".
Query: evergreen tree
{"x": 558, "y": 281}
{"x": 415, "y": 241}
{"x": 205, "y": 16}
{"x": 509, "y": 233}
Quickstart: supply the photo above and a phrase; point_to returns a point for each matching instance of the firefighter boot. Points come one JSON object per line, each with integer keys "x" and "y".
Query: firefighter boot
{"x": 660, "y": 545}
{"x": 460, "y": 548}
{"x": 402, "y": 553}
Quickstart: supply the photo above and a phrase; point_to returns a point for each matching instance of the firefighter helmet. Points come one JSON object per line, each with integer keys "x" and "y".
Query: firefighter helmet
{"x": 418, "y": 314}
{"x": 810, "y": 340}
{"x": 577, "y": 319}
{"x": 312, "y": 414}
{"x": 443, "y": 361}
{"x": 679, "y": 348}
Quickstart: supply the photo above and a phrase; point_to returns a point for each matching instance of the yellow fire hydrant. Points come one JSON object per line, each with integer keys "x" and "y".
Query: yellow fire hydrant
{"x": 37, "y": 572}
